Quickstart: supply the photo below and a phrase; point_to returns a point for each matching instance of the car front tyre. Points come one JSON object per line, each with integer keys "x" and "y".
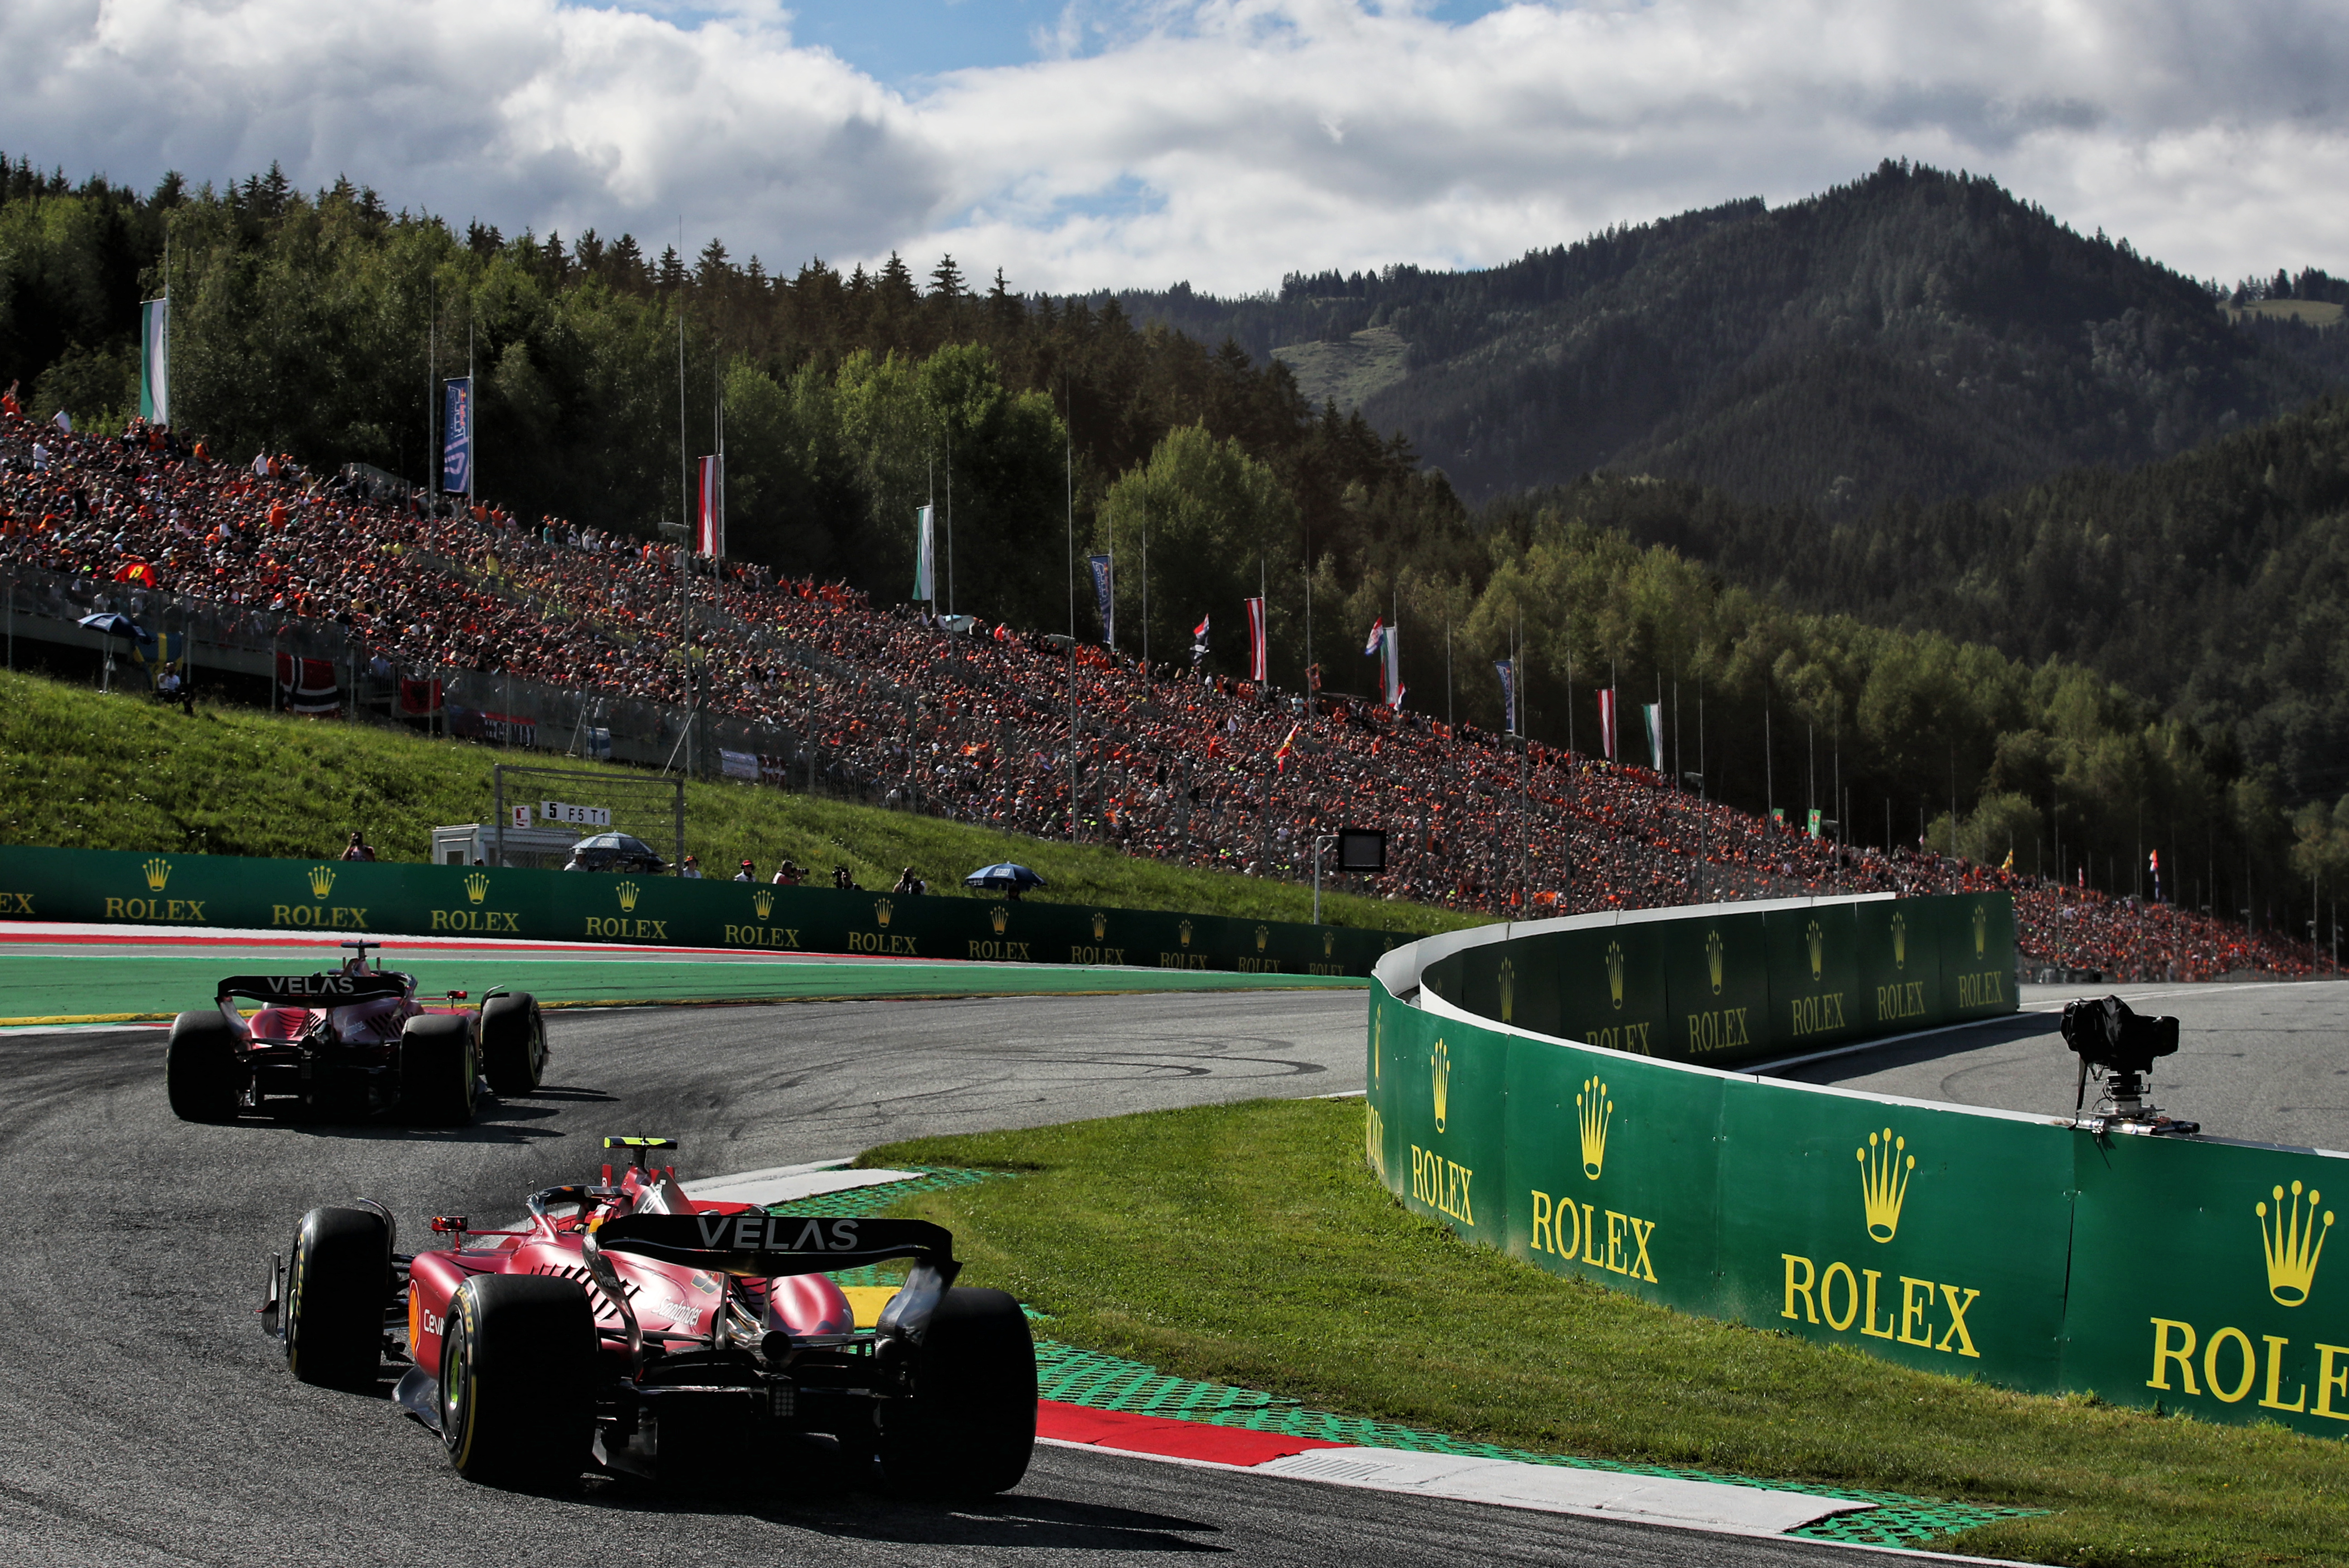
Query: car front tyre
{"x": 513, "y": 1043}
{"x": 517, "y": 1380}
{"x": 337, "y": 1287}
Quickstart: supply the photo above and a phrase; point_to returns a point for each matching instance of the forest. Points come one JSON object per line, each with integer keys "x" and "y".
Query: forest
{"x": 2076, "y": 672}
{"x": 1915, "y": 333}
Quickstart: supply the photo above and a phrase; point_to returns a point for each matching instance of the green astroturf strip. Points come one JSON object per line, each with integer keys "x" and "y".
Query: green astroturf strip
{"x": 67, "y": 986}
{"x": 1073, "y": 1376}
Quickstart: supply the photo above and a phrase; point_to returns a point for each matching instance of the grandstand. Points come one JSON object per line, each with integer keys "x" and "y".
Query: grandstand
{"x": 369, "y": 602}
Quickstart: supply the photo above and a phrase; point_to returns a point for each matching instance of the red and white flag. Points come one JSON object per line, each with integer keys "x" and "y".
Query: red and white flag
{"x": 710, "y": 507}
{"x": 1259, "y": 658}
{"x": 1606, "y": 721}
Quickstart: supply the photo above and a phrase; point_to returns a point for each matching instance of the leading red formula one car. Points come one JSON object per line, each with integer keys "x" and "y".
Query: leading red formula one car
{"x": 628, "y": 1329}
{"x": 355, "y": 1040}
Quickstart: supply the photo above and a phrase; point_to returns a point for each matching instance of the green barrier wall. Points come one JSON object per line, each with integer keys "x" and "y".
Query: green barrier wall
{"x": 106, "y": 886}
{"x": 2185, "y": 1272}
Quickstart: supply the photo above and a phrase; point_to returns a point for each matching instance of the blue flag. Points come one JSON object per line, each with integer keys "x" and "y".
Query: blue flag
{"x": 457, "y": 438}
{"x": 1507, "y": 669}
{"x": 1105, "y": 594}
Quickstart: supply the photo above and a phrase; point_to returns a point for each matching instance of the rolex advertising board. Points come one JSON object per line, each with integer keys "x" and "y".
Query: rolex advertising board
{"x": 386, "y": 898}
{"x": 1813, "y": 959}
{"x": 1977, "y": 942}
{"x": 1609, "y": 985}
{"x": 1899, "y": 964}
{"x": 1716, "y": 989}
{"x": 1444, "y": 1109}
{"x": 2205, "y": 1276}
{"x": 1611, "y": 1163}
{"x": 1926, "y": 1236}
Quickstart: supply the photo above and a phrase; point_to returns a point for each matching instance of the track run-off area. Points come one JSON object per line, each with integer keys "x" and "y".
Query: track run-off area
{"x": 144, "y": 1419}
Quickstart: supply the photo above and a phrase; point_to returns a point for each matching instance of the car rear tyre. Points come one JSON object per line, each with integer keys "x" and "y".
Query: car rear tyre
{"x": 335, "y": 1293}
{"x": 970, "y": 1426}
{"x": 513, "y": 1043}
{"x": 200, "y": 1068}
{"x": 517, "y": 1380}
{"x": 438, "y": 1069}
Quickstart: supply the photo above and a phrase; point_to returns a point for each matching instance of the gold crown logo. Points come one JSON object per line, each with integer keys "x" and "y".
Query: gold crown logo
{"x": 628, "y": 891}
{"x": 159, "y": 871}
{"x": 1818, "y": 943}
{"x": 2294, "y": 1242}
{"x": 1100, "y": 925}
{"x": 477, "y": 887}
{"x": 1508, "y": 991}
{"x": 1884, "y": 1182}
{"x": 1001, "y": 915}
{"x": 322, "y": 880}
{"x": 1712, "y": 959}
{"x": 1981, "y": 930}
{"x": 1595, "y": 1111}
{"x": 883, "y": 909}
{"x": 1183, "y": 931}
{"x": 1263, "y": 935}
{"x": 1441, "y": 1064}
{"x": 1900, "y": 941}
{"x": 1615, "y": 973}
{"x": 763, "y": 901}
{"x": 1329, "y": 943}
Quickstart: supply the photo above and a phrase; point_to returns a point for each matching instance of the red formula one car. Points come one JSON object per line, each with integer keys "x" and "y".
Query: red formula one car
{"x": 627, "y": 1329}
{"x": 351, "y": 1041}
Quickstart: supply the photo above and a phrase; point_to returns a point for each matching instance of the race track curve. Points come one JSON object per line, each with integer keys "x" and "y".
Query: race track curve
{"x": 144, "y": 1420}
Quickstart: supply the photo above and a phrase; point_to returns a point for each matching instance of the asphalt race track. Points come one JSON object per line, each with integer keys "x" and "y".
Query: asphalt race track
{"x": 2264, "y": 1062}
{"x": 143, "y": 1418}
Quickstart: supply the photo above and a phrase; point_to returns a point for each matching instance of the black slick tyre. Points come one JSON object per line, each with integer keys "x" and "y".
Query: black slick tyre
{"x": 437, "y": 1070}
{"x": 200, "y": 1072}
{"x": 513, "y": 1043}
{"x": 337, "y": 1287}
{"x": 518, "y": 1362}
{"x": 970, "y": 1426}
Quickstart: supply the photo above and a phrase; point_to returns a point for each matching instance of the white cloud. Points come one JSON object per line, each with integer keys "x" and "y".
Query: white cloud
{"x": 1221, "y": 141}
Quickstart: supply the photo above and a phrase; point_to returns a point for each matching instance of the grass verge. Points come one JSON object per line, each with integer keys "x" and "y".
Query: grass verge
{"x": 83, "y": 771}
{"x": 1248, "y": 1243}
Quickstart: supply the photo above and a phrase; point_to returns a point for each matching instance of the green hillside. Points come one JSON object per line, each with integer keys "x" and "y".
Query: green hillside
{"x": 1915, "y": 332}
{"x": 85, "y": 771}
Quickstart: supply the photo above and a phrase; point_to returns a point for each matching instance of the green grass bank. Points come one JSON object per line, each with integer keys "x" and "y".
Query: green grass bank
{"x": 83, "y": 771}
{"x": 1249, "y": 1243}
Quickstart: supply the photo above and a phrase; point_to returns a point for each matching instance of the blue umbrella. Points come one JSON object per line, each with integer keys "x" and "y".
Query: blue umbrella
{"x": 112, "y": 624}
{"x": 1003, "y": 875}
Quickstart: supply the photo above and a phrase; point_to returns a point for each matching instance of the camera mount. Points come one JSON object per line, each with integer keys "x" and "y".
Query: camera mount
{"x": 2107, "y": 1036}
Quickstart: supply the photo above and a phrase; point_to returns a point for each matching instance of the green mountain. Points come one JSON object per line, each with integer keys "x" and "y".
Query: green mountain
{"x": 1916, "y": 333}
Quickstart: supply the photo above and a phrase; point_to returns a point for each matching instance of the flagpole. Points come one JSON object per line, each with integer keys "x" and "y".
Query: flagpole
{"x": 685, "y": 544}
{"x": 431, "y": 389}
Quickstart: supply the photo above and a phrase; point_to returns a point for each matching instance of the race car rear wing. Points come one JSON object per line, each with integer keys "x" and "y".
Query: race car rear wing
{"x": 333, "y": 988}
{"x": 770, "y": 1246}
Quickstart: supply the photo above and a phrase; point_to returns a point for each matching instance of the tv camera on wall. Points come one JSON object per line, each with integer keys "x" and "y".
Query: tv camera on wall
{"x": 2122, "y": 1046}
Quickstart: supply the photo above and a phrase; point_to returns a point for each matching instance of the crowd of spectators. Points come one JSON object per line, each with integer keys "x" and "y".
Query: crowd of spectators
{"x": 1031, "y": 733}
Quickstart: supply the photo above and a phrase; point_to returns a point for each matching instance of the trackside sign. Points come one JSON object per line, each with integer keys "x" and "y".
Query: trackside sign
{"x": 231, "y": 892}
{"x": 1975, "y": 1242}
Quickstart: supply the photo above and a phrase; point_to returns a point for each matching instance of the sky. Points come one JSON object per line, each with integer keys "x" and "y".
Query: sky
{"x": 1108, "y": 143}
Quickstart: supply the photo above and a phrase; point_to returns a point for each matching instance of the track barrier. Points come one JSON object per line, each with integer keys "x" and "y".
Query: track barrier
{"x": 1559, "y": 1090}
{"x": 251, "y": 893}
